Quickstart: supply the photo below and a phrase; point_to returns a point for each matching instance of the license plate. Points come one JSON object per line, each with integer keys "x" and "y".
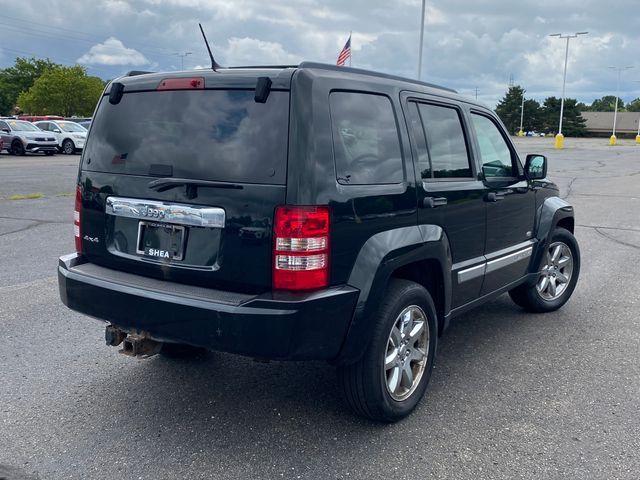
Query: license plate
{"x": 160, "y": 241}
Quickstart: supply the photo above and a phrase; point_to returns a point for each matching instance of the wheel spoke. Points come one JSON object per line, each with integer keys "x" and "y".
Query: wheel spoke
{"x": 543, "y": 284}
{"x": 563, "y": 262}
{"x": 406, "y": 321}
{"x": 556, "y": 253}
{"x": 390, "y": 359}
{"x": 394, "y": 380}
{"x": 417, "y": 354}
{"x": 395, "y": 337}
{"x": 552, "y": 287}
{"x": 415, "y": 332}
{"x": 407, "y": 375}
{"x": 562, "y": 278}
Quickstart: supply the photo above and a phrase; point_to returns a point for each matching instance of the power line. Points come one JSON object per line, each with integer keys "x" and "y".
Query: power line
{"x": 43, "y": 34}
{"x": 76, "y": 33}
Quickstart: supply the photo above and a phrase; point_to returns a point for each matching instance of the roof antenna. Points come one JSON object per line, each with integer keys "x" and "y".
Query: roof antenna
{"x": 214, "y": 65}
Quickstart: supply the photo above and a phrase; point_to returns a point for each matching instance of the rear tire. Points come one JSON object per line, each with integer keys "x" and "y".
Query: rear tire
{"x": 557, "y": 276}
{"x": 181, "y": 350}
{"x": 389, "y": 380}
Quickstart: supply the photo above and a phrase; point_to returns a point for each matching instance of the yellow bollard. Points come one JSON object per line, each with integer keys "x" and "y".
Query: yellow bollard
{"x": 521, "y": 133}
{"x": 638, "y": 139}
{"x": 612, "y": 140}
{"x": 559, "y": 143}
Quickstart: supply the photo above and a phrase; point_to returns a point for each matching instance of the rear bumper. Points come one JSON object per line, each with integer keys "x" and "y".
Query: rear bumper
{"x": 276, "y": 325}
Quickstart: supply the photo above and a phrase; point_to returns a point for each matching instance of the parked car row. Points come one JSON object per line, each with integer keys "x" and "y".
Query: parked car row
{"x": 48, "y": 136}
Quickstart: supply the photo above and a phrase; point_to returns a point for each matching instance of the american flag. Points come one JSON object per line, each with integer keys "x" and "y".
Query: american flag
{"x": 345, "y": 53}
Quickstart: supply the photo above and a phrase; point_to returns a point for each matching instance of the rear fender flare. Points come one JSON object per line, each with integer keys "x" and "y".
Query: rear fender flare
{"x": 378, "y": 258}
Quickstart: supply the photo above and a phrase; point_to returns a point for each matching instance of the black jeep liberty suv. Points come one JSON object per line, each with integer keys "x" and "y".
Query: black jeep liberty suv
{"x": 308, "y": 212}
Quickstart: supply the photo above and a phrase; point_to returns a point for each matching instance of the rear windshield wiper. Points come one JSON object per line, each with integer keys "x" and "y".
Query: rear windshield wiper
{"x": 164, "y": 184}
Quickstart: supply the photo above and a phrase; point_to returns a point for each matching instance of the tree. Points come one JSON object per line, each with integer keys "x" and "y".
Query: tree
{"x": 532, "y": 120}
{"x": 581, "y": 106}
{"x": 508, "y": 109}
{"x": 634, "y": 105}
{"x": 606, "y": 104}
{"x": 65, "y": 91}
{"x": 573, "y": 125}
{"x": 19, "y": 78}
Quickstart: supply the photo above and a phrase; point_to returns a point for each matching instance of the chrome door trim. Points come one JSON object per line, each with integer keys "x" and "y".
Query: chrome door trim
{"x": 493, "y": 261}
{"x": 471, "y": 273}
{"x": 506, "y": 260}
{"x": 176, "y": 213}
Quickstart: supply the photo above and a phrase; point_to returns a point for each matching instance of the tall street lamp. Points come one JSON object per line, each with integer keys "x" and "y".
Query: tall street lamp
{"x": 424, "y": 5}
{"x": 613, "y": 138}
{"x": 559, "y": 143}
{"x": 520, "y": 132}
{"x": 638, "y": 135}
{"x": 182, "y": 55}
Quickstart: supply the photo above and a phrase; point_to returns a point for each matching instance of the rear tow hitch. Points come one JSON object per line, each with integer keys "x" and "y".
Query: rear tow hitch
{"x": 133, "y": 344}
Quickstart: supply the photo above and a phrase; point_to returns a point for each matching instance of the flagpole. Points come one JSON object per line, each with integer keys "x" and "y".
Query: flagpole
{"x": 421, "y": 40}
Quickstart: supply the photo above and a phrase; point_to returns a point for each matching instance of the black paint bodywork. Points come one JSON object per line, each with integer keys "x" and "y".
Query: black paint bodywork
{"x": 377, "y": 231}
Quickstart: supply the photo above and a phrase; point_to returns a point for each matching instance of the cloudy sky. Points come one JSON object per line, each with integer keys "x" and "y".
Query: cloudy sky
{"x": 469, "y": 44}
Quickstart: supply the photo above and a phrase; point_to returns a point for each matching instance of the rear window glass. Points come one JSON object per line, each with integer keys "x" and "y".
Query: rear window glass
{"x": 221, "y": 135}
{"x": 365, "y": 139}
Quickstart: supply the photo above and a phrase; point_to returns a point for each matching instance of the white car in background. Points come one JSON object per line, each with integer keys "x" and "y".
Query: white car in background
{"x": 70, "y": 135}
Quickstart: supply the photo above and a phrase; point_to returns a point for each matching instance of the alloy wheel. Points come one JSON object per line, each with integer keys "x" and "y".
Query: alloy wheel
{"x": 556, "y": 272}
{"x": 407, "y": 351}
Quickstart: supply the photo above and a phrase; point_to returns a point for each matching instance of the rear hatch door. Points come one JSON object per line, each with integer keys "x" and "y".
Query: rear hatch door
{"x": 181, "y": 184}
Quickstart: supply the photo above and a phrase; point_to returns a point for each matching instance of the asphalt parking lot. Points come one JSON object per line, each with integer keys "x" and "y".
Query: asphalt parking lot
{"x": 513, "y": 395}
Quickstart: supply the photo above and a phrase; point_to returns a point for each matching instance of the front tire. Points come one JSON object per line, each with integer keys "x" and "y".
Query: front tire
{"x": 389, "y": 380}
{"x": 17, "y": 148}
{"x": 68, "y": 147}
{"x": 557, "y": 276}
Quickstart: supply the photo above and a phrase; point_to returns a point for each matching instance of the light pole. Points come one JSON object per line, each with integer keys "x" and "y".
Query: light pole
{"x": 613, "y": 138}
{"x": 638, "y": 135}
{"x": 559, "y": 143}
{"x": 520, "y": 132}
{"x": 182, "y": 55}
{"x": 424, "y": 5}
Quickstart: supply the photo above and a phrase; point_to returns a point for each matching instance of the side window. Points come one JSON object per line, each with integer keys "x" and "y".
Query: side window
{"x": 495, "y": 154}
{"x": 4, "y": 126}
{"x": 43, "y": 126}
{"x": 445, "y": 142}
{"x": 365, "y": 139}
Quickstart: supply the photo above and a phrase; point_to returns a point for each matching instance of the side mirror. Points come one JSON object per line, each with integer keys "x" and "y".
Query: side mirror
{"x": 536, "y": 167}
{"x": 56, "y": 130}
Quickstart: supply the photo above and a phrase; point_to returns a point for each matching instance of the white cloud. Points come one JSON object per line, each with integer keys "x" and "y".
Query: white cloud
{"x": 112, "y": 52}
{"x": 248, "y": 51}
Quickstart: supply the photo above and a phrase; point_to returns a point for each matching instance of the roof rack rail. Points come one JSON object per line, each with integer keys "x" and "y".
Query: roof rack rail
{"x": 326, "y": 66}
{"x": 264, "y": 66}
{"x": 135, "y": 73}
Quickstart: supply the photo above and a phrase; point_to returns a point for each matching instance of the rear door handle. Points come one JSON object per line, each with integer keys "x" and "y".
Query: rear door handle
{"x": 495, "y": 196}
{"x": 433, "y": 202}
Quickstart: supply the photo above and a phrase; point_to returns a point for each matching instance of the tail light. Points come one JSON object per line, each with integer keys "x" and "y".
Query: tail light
{"x": 301, "y": 248}
{"x": 77, "y": 216}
